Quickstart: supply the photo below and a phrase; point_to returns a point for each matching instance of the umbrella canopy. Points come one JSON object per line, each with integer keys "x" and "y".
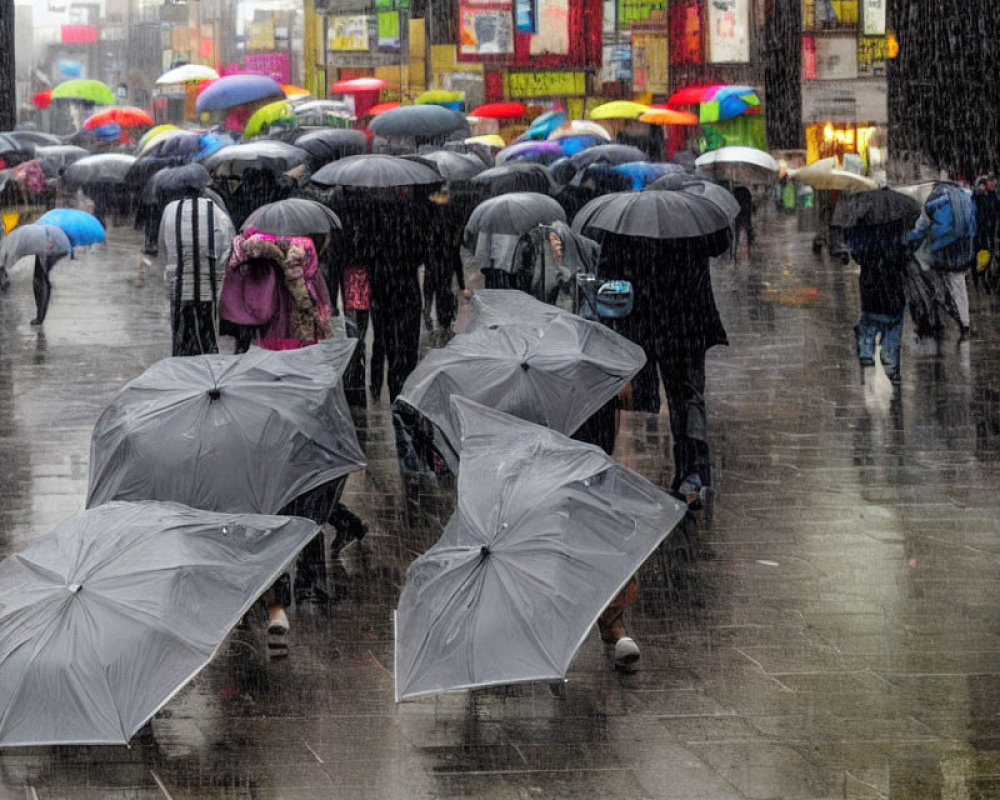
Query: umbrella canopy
{"x": 641, "y": 174}
{"x": 267, "y": 154}
{"x": 381, "y": 108}
{"x": 428, "y": 121}
{"x": 36, "y": 138}
{"x": 228, "y": 433}
{"x": 235, "y": 90}
{"x": 738, "y": 164}
{"x": 439, "y": 97}
{"x": 488, "y": 139}
{"x": 323, "y": 107}
{"x": 277, "y": 113}
{"x": 11, "y": 146}
{"x": 580, "y": 127}
{"x": 824, "y": 174}
{"x": 295, "y": 92}
{"x": 80, "y": 227}
{"x": 499, "y": 111}
{"x": 451, "y": 166}
{"x": 42, "y": 99}
{"x": 547, "y": 532}
{"x": 652, "y": 215}
{"x": 187, "y": 178}
{"x": 126, "y": 116}
{"x": 150, "y": 136}
{"x": 294, "y": 216}
{"x": 55, "y": 158}
{"x": 712, "y": 192}
{"x": 514, "y": 213}
{"x": 538, "y": 152}
{"x": 106, "y": 618}
{"x": 619, "y": 109}
{"x": 329, "y": 144}
{"x": 542, "y": 125}
{"x": 376, "y": 171}
{"x": 187, "y": 73}
{"x": 668, "y": 116}
{"x": 520, "y": 176}
{"x": 692, "y": 95}
{"x": 726, "y": 102}
{"x": 99, "y": 168}
{"x": 609, "y": 154}
{"x": 355, "y": 85}
{"x": 82, "y": 89}
{"x": 33, "y": 240}
{"x": 523, "y": 357}
{"x": 877, "y": 207}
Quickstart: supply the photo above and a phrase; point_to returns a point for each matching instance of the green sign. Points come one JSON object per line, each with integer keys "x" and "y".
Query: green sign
{"x": 631, "y": 11}
{"x": 545, "y": 83}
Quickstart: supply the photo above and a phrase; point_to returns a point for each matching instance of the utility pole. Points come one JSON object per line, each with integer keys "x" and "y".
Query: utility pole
{"x": 8, "y": 86}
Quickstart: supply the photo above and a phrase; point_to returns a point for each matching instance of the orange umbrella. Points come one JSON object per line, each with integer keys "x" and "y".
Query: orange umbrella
{"x": 293, "y": 92}
{"x": 381, "y": 108}
{"x": 668, "y": 116}
{"x": 126, "y": 116}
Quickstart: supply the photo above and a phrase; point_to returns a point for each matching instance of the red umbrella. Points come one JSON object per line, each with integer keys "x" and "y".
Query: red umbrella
{"x": 43, "y": 99}
{"x": 381, "y": 108}
{"x": 499, "y": 111}
{"x": 126, "y": 116}
{"x": 353, "y": 85}
{"x": 692, "y": 95}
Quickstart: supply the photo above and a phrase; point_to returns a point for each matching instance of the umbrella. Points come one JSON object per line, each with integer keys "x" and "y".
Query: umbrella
{"x": 294, "y": 216}
{"x": 641, "y": 174}
{"x": 235, "y": 90}
{"x": 376, "y": 171}
{"x": 713, "y": 192}
{"x": 295, "y": 92}
{"x": 126, "y": 116}
{"x": 520, "y": 176}
{"x": 668, "y": 116}
{"x": 580, "y": 127}
{"x": 824, "y": 174}
{"x": 514, "y": 213}
{"x": 82, "y": 89}
{"x": 106, "y": 618}
{"x": 188, "y": 178}
{"x": 55, "y": 158}
{"x": 228, "y": 433}
{"x": 234, "y": 160}
{"x": 619, "y": 109}
{"x": 80, "y": 227}
{"x": 329, "y": 144}
{"x": 439, "y": 97}
{"x": 381, "y": 108}
{"x": 187, "y": 73}
{"x": 10, "y": 146}
{"x": 422, "y": 121}
{"x": 488, "y": 139}
{"x": 33, "y": 240}
{"x": 153, "y": 134}
{"x": 547, "y": 532}
{"x": 530, "y": 150}
{"x": 451, "y": 166}
{"x": 726, "y": 102}
{"x": 323, "y": 107}
{"x": 36, "y": 138}
{"x": 738, "y": 164}
{"x": 609, "y": 154}
{"x": 523, "y": 357}
{"x": 653, "y": 215}
{"x": 542, "y": 125}
{"x": 499, "y": 111}
{"x": 278, "y": 113}
{"x": 692, "y": 95}
{"x": 355, "y": 85}
{"x": 877, "y": 207}
{"x": 42, "y": 99}
{"x": 99, "y": 168}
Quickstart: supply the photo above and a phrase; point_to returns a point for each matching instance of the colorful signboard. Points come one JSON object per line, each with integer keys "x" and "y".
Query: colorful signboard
{"x": 729, "y": 31}
{"x": 545, "y": 83}
{"x": 632, "y": 11}
{"x": 485, "y": 30}
{"x": 348, "y": 33}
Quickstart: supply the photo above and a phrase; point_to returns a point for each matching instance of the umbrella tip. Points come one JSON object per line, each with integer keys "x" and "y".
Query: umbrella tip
{"x": 484, "y": 551}
{"x": 214, "y": 394}
{"x": 524, "y": 365}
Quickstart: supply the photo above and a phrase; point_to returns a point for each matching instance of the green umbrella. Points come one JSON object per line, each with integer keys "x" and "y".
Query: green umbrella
{"x": 83, "y": 89}
{"x": 439, "y": 96}
{"x": 279, "y": 112}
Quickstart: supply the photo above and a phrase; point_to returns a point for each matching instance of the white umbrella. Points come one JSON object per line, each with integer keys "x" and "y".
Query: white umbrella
{"x": 738, "y": 164}
{"x": 187, "y": 73}
{"x": 824, "y": 174}
{"x": 580, "y": 127}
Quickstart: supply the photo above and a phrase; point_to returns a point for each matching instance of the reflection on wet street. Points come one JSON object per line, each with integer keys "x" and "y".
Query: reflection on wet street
{"x": 831, "y": 630}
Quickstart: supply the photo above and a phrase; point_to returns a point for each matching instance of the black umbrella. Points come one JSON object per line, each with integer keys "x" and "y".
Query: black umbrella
{"x": 36, "y": 138}
{"x": 233, "y": 160}
{"x": 609, "y": 154}
{"x": 185, "y": 145}
{"x": 375, "y": 171}
{"x": 295, "y": 216}
{"x": 660, "y": 215}
{"x": 54, "y": 158}
{"x": 699, "y": 187}
{"x": 420, "y": 121}
{"x": 483, "y": 152}
{"x": 328, "y": 144}
{"x": 189, "y": 178}
{"x": 876, "y": 207}
{"x": 452, "y": 166}
{"x": 514, "y": 213}
{"x": 11, "y": 150}
{"x": 101, "y": 168}
{"x": 516, "y": 177}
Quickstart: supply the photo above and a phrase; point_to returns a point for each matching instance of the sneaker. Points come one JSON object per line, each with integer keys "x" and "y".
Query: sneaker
{"x": 626, "y": 652}
{"x": 277, "y": 621}
{"x": 690, "y": 488}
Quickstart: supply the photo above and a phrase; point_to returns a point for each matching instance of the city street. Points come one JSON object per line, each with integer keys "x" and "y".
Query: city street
{"x": 830, "y": 630}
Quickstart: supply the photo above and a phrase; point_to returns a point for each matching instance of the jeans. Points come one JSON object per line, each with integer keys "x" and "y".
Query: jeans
{"x": 889, "y": 330}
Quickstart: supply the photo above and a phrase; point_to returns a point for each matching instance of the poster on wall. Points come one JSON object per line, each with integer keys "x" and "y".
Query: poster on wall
{"x": 873, "y": 17}
{"x": 388, "y": 30}
{"x": 729, "y": 31}
{"x": 348, "y": 33}
{"x": 552, "y": 35}
{"x": 649, "y": 61}
{"x": 485, "y": 31}
{"x": 616, "y": 62}
{"x": 525, "y": 16}
{"x": 685, "y": 33}
{"x": 836, "y": 58}
{"x": 632, "y": 11}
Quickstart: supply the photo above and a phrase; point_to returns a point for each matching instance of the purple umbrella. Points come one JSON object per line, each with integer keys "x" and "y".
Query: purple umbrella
{"x": 538, "y": 152}
{"x": 235, "y": 90}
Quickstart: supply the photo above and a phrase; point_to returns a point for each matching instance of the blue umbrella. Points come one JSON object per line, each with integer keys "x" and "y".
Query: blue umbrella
{"x": 80, "y": 227}
{"x": 210, "y": 142}
{"x": 542, "y": 125}
{"x": 111, "y": 132}
{"x": 539, "y": 152}
{"x": 642, "y": 173}
{"x": 235, "y": 90}
{"x": 574, "y": 144}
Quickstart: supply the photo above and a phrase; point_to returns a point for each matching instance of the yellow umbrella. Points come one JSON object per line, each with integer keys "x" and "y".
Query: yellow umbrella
{"x": 489, "y": 139}
{"x": 668, "y": 116}
{"x": 150, "y": 136}
{"x": 619, "y": 109}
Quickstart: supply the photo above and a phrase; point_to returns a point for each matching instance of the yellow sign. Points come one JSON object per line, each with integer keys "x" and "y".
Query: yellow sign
{"x": 348, "y": 33}
{"x": 545, "y": 83}
{"x": 260, "y": 36}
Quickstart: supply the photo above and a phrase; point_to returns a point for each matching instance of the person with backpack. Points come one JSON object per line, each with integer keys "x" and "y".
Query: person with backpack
{"x": 196, "y": 237}
{"x": 944, "y": 238}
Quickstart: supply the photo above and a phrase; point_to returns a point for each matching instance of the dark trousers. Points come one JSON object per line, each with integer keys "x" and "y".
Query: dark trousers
{"x": 683, "y": 376}
{"x": 42, "y": 287}
{"x": 395, "y": 311}
{"x": 354, "y": 375}
{"x": 438, "y": 293}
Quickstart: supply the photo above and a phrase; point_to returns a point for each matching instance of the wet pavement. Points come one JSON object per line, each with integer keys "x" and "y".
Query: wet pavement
{"x": 833, "y": 631}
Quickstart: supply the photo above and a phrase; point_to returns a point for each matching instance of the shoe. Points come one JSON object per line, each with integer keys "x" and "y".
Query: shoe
{"x": 867, "y": 361}
{"x": 690, "y": 488}
{"x": 277, "y": 646}
{"x": 277, "y": 621}
{"x": 626, "y": 652}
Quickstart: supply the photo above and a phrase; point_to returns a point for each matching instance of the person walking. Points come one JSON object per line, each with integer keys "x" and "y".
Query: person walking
{"x": 196, "y": 238}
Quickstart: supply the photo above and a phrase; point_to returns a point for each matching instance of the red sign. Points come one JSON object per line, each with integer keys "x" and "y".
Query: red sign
{"x": 79, "y": 34}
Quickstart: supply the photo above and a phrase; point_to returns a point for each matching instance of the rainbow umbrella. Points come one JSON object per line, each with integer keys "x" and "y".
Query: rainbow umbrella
{"x": 693, "y": 95}
{"x": 280, "y": 112}
{"x": 83, "y": 89}
{"x": 619, "y": 109}
{"x": 727, "y": 102}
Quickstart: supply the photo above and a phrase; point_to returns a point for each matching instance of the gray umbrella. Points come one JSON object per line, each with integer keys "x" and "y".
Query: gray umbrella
{"x": 547, "y": 532}
{"x": 100, "y": 168}
{"x": 294, "y": 216}
{"x": 33, "y": 240}
{"x": 713, "y": 192}
{"x": 452, "y": 166}
{"x": 376, "y": 171}
{"x": 514, "y": 213}
{"x": 652, "y": 215}
{"x": 423, "y": 121}
{"x": 233, "y": 160}
{"x": 228, "y": 433}
{"x": 523, "y": 357}
{"x": 106, "y": 618}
